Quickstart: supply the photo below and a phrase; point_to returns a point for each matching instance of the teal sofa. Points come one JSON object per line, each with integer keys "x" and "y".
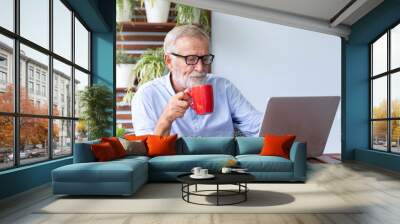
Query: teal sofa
{"x": 125, "y": 176}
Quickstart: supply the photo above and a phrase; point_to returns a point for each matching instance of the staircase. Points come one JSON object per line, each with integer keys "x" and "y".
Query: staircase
{"x": 134, "y": 38}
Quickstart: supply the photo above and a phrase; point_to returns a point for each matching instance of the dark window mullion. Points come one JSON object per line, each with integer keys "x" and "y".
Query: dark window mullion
{"x": 371, "y": 99}
{"x": 50, "y": 87}
{"x": 89, "y": 54}
{"x": 73, "y": 81}
{"x": 389, "y": 112}
{"x": 84, "y": 70}
{"x": 16, "y": 83}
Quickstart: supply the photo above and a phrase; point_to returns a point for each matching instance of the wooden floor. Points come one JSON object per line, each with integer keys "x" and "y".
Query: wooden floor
{"x": 377, "y": 188}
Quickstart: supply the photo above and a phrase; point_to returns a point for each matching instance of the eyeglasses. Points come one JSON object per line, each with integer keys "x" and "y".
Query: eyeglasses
{"x": 193, "y": 59}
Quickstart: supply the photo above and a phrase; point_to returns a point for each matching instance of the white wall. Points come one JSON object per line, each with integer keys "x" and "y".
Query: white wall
{"x": 265, "y": 60}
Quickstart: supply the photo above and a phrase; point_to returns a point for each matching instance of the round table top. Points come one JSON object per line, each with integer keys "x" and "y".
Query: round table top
{"x": 220, "y": 178}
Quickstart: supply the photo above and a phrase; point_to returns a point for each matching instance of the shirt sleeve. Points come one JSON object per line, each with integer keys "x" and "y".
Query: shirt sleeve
{"x": 244, "y": 116}
{"x": 143, "y": 119}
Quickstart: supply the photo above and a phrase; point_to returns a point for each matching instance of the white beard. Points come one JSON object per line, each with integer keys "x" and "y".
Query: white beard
{"x": 193, "y": 79}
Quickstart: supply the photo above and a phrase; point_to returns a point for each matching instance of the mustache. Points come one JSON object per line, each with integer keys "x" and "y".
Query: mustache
{"x": 197, "y": 75}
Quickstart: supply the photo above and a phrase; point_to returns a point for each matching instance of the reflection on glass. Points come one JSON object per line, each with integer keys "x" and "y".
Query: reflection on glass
{"x": 62, "y": 29}
{"x": 6, "y": 74}
{"x": 33, "y": 140}
{"x": 395, "y": 47}
{"x": 395, "y": 136}
{"x": 379, "y": 55}
{"x": 62, "y": 138}
{"x": 81, "y": 131}
{"x": 34, "y": 96}
{"x": 62, "y": 89}
{"x": 81, "y": 81}
{"x": 7, "y": 14}
{"x": 395, "y": 95}
{"x": 6, "y": 142}
{"x": 379, "y": 135}
{"x": 379, "y": 98}
{"x": 35, "y": 21}
{"x": 81, "y": 45}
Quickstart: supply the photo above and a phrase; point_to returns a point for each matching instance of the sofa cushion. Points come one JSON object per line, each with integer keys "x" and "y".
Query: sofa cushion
{"x": 134, "y": 147}
{"x": 103, "y": 151}
{"x": 129, "y": 159}
{"x": 185, "y": 163}
{"x": 249, "y": 145}
{"x": 206, "y": 145}
{"x": 116, "y": 145}
{"x": 83, "y": 152}
{"x": 136, "y": 137}
{"x": 161, "y": 145}
{"x": 277, "y": 145}
{"x": 257, "y": 163}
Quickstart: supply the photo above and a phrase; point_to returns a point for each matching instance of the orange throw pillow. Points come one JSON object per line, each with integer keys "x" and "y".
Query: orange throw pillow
{"x": 103, "y": 151}
{"x": 161, "y": 145}
{"x": 136, "y": 138}
{"x": 277, "y": 145}
{"x": 116, "y": 145}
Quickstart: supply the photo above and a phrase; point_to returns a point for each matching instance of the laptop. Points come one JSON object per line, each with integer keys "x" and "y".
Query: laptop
{"x": 309, "y": 118}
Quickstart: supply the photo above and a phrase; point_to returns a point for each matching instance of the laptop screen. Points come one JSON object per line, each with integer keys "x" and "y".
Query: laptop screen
{"x": 309, "y": 118}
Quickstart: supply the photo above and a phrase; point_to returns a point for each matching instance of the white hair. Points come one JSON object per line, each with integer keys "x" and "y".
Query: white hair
{"x": 183, "y": 31}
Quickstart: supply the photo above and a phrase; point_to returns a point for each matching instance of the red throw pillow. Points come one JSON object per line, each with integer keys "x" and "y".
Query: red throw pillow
{"x": 103, "y": 151}
{"x": 161, "y": 145}
{"x": 277, "y": 145}
{"x": 116, "y": 145}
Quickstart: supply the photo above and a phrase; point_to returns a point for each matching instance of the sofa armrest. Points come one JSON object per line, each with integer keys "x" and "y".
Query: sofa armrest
{"x": 83, "y": 152}
{"x": 298, "y": 155}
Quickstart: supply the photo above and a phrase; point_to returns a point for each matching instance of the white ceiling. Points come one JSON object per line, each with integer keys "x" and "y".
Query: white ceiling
{"x": 325, "y": 16}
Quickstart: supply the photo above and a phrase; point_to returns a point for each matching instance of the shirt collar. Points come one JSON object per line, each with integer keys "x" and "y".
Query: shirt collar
{"x": 168, "y": 84}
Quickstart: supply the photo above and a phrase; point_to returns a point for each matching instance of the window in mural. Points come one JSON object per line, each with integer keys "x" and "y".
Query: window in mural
{"x": 385, "y": 91}
{"x": 40, "y": 123}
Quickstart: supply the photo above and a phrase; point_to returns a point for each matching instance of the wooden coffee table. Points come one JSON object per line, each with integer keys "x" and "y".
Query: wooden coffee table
{"x": 238, "y": 179}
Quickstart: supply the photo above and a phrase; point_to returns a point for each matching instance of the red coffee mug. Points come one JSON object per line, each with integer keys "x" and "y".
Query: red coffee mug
{"x": 202, "y": 99}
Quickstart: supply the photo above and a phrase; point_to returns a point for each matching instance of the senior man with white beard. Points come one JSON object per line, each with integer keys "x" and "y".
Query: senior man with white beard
{"x": 162, "y": 106}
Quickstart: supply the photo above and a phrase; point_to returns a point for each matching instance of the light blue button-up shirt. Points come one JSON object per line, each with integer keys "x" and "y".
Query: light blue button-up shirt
{"x": 231, "y": 110}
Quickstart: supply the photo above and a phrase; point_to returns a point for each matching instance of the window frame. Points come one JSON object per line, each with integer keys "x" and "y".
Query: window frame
{"x": 16, "y": 114}
{"x": 388, "y": 74}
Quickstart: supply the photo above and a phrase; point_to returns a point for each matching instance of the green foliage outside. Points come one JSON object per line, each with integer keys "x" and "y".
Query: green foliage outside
{"x": 380, "y": 127}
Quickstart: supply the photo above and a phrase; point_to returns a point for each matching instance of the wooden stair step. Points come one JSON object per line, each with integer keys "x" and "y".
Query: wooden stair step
{"x": 124, "y": 108}
{"x": 146, "y": 27}
{"x": 133, "y": 37}
{"x": 137, "y": 47}
{"x": 124, "y": 116}
{"x": 127, "y": 125}
{"x": 119, "y": 98}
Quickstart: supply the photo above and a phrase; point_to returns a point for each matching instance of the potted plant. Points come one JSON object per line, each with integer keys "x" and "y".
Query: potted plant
{"x": 120, "y": 131}
{"x": 96, "y": 102}
{"x": 157, "y": 11}
{"x": 125, "y": 10}
{"x": 149, "y": 66}
{"x": 191, "y": 15}
{"x": 125, "y": 65}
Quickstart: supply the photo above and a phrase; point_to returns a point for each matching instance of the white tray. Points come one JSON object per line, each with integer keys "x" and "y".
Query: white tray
{"x": 208, "y": 176}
